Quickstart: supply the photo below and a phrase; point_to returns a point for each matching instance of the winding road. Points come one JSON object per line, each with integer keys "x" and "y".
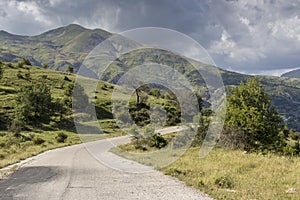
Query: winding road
{"x": 73, "y": 172}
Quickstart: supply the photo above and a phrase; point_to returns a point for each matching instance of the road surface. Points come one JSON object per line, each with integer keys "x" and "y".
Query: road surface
{"x": 72, "y": 173}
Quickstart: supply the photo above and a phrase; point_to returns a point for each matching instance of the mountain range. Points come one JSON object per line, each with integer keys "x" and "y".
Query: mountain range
{"x": 68, "y": 46}
{"x": 292, "y": 74}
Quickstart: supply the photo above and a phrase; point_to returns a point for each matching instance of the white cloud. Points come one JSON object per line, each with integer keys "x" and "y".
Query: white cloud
{"x": 260, "y": 35}
{"x": 227, "y": 47}
{"x": 31, "y": 9}
{"x": 286, "y": 29}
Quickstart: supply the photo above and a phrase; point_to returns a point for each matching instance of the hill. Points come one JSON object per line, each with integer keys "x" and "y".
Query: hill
{"x": 292, "y": 74}
{"x": 57, "y": 48}
{"x": 70, "y": 45}
{"x": 38, "y": 137}
{"x": 285, "y": 92}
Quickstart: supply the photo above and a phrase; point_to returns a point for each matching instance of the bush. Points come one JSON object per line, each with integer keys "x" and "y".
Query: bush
{"x": 155, "y": 92}
{"x": 25, "y": 61}
{"x": 158, "y": 141}
{"x": 292, "y": 150}
{"x": 67, "y": 79}
{"x": 19, "y": 75}
{"x": 251, "y": 115}
{"x": 20, "y": 65}
{"x": 9, "y": 65}
{"x": 200, "y": 183}
{"x": 38, "y": 140}
{"x": 61, "y": 137}
{"x": 224, "y": 182}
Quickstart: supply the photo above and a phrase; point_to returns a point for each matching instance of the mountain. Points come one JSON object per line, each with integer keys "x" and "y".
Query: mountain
{"x": 57, "y": 48}
{"x": 292, "y": 74}
{"x": 70, "y": 45}
{"x": 285, "y": 92}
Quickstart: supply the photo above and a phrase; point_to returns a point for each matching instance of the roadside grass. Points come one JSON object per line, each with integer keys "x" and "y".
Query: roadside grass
{"x": 15, "y": 149}
{"x": 230, "y": 174}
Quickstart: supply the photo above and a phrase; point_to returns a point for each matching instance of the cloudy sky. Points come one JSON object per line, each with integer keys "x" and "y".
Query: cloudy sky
{"x": 251, "y": 36}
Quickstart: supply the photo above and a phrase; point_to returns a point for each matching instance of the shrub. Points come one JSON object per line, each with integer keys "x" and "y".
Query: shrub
{"x": 292, "y": 150}
{"x": 70, "y": 69}
{"x": 200, "y": 183}
{"x": 155, "y": 92}
{"x": 2, "y": 154}
{"x": 224, "y": 182}
{"x": 251, "y": 115}
{"x": 61, "y": 137}
{"x": 19, "y": 75}
{"x": 25, "y": 61}
{"x": 45, "y": 65}
{"x": 38, "y": 140}
{"x": 27, "y": 76}
{"x": 20, "y": 65}
{"x": 158, "y": 141}
{"x": 67, "y": 79}
{"x": 9, "y": 65}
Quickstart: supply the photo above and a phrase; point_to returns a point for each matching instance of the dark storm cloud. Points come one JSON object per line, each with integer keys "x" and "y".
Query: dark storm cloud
{"x": 246, "y": 35}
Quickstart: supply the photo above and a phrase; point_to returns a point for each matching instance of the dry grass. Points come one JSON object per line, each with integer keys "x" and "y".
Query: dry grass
{"x": 20, "y": 150}
{"x": 229, "y": 174}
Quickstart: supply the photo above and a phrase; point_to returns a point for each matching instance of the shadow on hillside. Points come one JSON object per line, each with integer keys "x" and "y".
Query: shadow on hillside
{"x": 102, "y": 113}
{"x": 3, "y": 126}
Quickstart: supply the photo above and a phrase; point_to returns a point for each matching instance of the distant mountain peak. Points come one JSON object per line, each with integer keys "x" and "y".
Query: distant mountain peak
{"x": 2, "y": 32}
{"x": 74, "y": 26}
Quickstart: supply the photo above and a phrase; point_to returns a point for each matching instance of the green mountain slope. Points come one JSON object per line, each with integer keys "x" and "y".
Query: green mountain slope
{"x": 285, "y": 92}
{"x": 57, "y": 48}
{"x": 70, "y": 45}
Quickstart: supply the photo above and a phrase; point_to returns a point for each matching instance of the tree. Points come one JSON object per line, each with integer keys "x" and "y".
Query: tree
{"x": 251, "y": 119}
{"x": 70, "y": 69}
{"x": 60, "y": 107}
{"x": 45, "y": 65}
{"x": 25, "y": 61}
{"x": 34, "y": 103}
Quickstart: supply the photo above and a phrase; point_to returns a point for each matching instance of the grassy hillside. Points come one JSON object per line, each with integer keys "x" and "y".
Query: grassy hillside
{"x": 40, "y": 137}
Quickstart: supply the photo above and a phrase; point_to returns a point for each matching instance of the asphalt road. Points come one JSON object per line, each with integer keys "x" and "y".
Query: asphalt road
{"x": 72, "y": 173}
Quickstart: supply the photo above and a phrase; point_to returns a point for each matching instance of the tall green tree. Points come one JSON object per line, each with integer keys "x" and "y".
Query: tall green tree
{"x": 34, "y": 103}
{"x": 251, "y": 118}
